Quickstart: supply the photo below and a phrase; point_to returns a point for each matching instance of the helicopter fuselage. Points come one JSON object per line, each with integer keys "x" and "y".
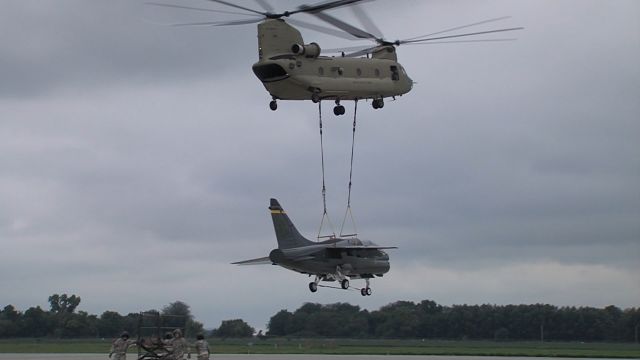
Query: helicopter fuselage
{"x": 291, "y": 77}
{"x": 291, "y": 70}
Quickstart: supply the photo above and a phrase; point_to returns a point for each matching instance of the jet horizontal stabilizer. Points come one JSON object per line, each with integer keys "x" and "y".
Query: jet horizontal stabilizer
{"x": 258, "y": 261}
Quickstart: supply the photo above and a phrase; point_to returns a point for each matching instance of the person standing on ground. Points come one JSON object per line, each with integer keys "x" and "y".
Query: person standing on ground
{"x": 120, "y": 346}
{"x": 180, "y": 346}
{"x": 202, "y": 348}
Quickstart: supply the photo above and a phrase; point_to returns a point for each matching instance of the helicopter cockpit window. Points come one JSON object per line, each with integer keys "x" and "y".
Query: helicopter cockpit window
{"x": 395, "y": 76}
{"x": 270, "y": 72}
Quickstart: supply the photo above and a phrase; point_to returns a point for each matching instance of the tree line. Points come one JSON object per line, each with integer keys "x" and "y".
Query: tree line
{"x": 63, "y": 321}
{"x": 429, "y": 320}
{"x": 398, "y": 320}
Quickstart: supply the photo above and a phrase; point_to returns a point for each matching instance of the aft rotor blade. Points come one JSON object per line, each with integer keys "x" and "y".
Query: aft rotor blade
{"x": 265, "y": 5}
{"x": 221, "y": 23}
{"x": 238, "y": 7}
{"x": 460, "y": 35}
{"x": 347, "y": 49}
{"x": 459, "y": 27}
{"x": 366, "y": 51}
{"x": 198, "y": 9}
{"x": 322, "y": 29}
{"x": 366, "y": 21}
{"x": 344, "y": 26}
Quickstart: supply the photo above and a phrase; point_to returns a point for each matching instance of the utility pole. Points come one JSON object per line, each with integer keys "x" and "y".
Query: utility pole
{"x": 542, "y": 332}
{"x": 637, "y": 325}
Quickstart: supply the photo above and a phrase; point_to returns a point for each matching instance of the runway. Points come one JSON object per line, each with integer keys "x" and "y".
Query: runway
{"x": 269, "y": 357}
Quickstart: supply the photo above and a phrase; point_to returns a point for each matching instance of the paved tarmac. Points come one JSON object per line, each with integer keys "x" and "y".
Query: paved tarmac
{"x": 255, "y": 357}
{"x": 264, "y": 357}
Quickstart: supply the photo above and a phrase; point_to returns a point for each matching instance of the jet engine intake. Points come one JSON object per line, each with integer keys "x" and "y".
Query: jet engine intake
{"x": 310, "y": 50}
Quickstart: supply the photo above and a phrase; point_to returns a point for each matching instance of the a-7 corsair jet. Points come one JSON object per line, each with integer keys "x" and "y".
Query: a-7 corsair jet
{"x": 336, "y": 259}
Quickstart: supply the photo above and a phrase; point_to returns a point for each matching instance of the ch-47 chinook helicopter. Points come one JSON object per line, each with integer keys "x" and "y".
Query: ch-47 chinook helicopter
{"x": 292, "y": 70}
{"x": 336, "y": 259}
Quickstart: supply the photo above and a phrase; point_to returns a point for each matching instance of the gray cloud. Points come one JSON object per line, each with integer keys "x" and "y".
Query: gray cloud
{"x": 507, "y": 175}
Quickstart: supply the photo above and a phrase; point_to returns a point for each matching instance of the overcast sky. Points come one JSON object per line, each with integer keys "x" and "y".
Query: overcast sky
{"x": 137, "y": 160}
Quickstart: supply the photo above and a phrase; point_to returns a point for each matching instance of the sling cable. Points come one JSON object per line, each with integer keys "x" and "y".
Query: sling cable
{"x": 348, "y": 211}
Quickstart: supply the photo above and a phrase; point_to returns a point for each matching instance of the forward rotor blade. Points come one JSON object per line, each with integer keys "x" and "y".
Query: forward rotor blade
{"x": 322, "y": 29}
{"x": 459, "y": 27}
{"x": 238, "y": 7}
{"x": 459, "y": 41}
{"x": 324, "y": 6}
{"x": 366, "y": 21}
{"x": 221, "y": 23}
{"x": 344, "y": 26}
{"x": 199, "y": 9}
{"x": 265, "y": 5}
{"x": 460, "y": 35}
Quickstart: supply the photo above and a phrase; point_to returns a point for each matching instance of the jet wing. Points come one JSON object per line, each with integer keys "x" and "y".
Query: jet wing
{"x": 258, "y": 261}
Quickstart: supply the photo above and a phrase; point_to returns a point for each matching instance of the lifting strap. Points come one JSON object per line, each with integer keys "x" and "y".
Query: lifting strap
{"x": 348, "y": 211}
{"x": 324, "y": 189}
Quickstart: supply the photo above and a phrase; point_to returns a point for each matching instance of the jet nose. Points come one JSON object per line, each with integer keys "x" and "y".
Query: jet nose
{"x": 384, "y": 267}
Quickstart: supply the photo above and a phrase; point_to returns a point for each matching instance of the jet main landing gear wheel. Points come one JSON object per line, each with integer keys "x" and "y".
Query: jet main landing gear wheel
{"x": 365, "y": 291}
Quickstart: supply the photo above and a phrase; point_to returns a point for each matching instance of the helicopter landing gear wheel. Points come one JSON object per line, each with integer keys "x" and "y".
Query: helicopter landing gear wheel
{"x": 338, "y": 109}
{"x": 368, "y": 291}
{"x": 313, "y": 287}
{"x": 378, "y": 103}
{"x": 315, "y": 97}
{"x": 345, "y": 284}
{"x": 273, "y": 105}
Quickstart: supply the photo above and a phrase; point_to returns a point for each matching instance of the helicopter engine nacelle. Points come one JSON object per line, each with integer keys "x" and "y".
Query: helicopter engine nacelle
{"x": 310, "y": 50}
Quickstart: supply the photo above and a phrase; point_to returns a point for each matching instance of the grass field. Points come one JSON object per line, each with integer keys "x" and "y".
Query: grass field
{"x": 338, "y": 346}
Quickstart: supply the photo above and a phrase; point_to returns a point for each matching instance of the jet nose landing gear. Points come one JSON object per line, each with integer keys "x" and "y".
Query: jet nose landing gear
{"x": 345, "y": 284}
{"x": 366, "y": 291}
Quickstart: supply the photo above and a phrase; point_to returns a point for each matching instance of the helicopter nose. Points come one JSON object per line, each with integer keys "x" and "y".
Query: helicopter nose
{"x": 269, "y": 72}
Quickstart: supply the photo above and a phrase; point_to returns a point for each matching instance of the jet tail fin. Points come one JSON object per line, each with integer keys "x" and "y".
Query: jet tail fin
{"x": 286, "y": 233}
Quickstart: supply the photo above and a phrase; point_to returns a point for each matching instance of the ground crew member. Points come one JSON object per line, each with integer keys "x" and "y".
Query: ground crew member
{"x": 120, "y": 346}
{"x": 180, "y": 346}
{"x": 202, "y": 348}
